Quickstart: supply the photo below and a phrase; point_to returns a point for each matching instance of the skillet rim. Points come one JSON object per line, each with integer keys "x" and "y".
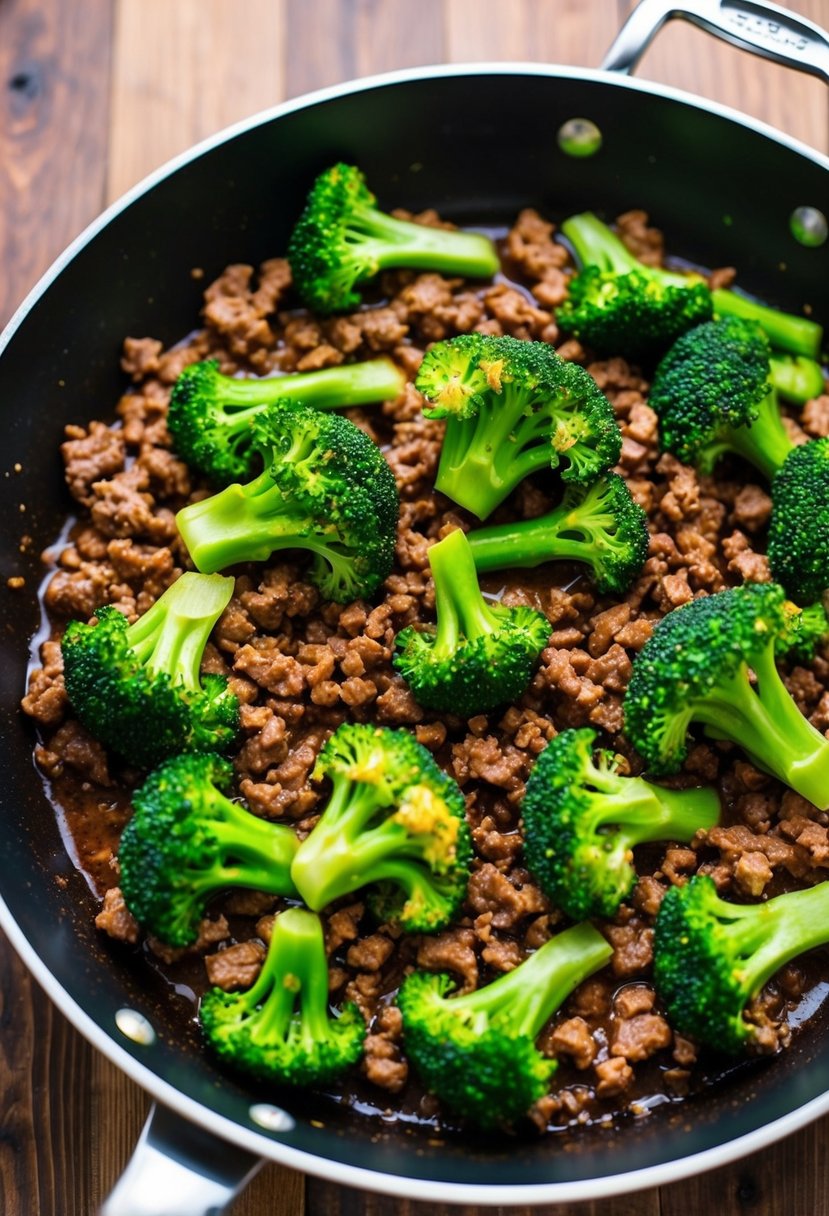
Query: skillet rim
{"x": 269, "y": 1146}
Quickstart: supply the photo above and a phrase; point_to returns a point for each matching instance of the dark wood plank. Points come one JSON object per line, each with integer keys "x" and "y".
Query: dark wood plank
{"x": 45, "y": 1102}
{"x": 54, "y": 92}
{"x": 326, "y": 1199}
{"x": 787, "y": 1177}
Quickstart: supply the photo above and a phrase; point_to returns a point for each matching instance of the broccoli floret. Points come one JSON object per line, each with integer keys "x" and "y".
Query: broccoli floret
{"x": 807, "y": 631}
{"x": 137, "y": 688}
{"x": 480, "y": 655}
{"x": 326, "y": 487}
{"x": 582, "y": 820}
{"x": 477, "y": 1052}
{"x": 798, "y": 548}
{"x": 599, "y": 525}
{"x": 796, "y": 378}
{"x": 211, "y": 415}
{"x": 186, "y": 841}
{"x": 618, "y": 305}
{"x": 394, "y": 822}
{"x": 281, "y": 1029}
{"x": 342, "y": 240}
{"x": 696, "y": 667}
{"x": 713, "y": 395}
{"x": 511, "y": 409}
{"x": 636, "y": 313}
{"x": 712, "y": 957}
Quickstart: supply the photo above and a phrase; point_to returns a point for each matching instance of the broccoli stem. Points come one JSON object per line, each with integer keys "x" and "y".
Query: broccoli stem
{"x": 259, "y": 852}
{"x": 291, "y": 967}
{"x": 796, "y": 378}
{"x": 332, "y": 860}
{"x": 390, "y": 242}
{"x": 242, "y": 523}
{"x": 171, "y": 635}
{"x": 787, "y": 332}
{"x": 482, "y": 459}
{"x": 330, "y": 388}
{"x": 560, "y": 534}
{"x": 644, "y": 812}
{"x": 765, "y": 442}
{"x": 767, "y": 724}
{"x": 597, "y": 245}
{"x": 769, "y": 935}
{"x": 462, "y": 612}
{"x": 530, "y": 994}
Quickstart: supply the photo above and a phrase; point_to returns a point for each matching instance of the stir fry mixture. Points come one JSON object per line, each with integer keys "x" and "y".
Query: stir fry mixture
{"x": 438, "y": 677}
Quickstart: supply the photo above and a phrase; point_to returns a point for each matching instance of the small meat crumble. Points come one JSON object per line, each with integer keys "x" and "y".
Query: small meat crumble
{"x": 301, "y": 666}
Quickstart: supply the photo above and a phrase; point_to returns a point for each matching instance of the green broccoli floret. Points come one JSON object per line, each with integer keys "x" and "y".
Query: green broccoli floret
{"x": 342, "y": 240}
{"x": 326, "y": 487}
{"x": 477, "y": 1052}
{"x": 712, "y": 957}
{"x": 599, "y": 525}
{"x": 137, "y": 687}
{"x": 807, "y": 632}
{"x": 394, "y": 822}
{"x": 513, "y": 408}
{"x": 186, "y": 841}
{"x": 796, "y": 378}
{"x": 618, "y": 305}
{"x": 798, "y": 548}
{"x": 480, "y": 655}
{"x": 211, "y": 415}
{"x": 713, "y": 395}
{"x": 582, "y": 820}
{"x": 696, "y": 667}
{"x": 281, "y": 1029}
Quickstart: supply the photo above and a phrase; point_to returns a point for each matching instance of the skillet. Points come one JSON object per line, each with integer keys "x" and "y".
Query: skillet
{"x": 723, "y": 187}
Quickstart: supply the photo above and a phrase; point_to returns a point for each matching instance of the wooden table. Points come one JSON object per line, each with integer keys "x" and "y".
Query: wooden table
{"x": 95, "y": 93}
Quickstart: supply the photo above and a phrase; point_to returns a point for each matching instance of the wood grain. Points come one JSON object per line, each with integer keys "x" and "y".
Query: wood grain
{"x": 182, "y": 71}
{"x": 54, "y": 89}
{"x": 325, "y": 1199}
{"x": 95, "y": 94}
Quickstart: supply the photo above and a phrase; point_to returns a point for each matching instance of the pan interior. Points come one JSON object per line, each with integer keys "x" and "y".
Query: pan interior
{"x": 478, "y": 147}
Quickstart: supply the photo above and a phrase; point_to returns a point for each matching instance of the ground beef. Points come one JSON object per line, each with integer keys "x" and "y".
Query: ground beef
{"x": 640, "y": 1037}
{"x": 573, "y": 1038}
{"x": 300, "y": 666}
{"x": 90, "y": 455}
{"x": 614, "y": 1076}
{"x": 115, "y": 919}
{"x": 236, "y": 967}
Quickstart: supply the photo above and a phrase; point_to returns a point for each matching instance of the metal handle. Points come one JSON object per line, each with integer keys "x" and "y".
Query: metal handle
{"x": 767, "y": 30}
{"x": 177, "y": 1169}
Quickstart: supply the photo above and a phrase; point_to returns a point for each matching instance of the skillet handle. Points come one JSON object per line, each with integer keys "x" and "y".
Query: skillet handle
{"x": 753, "y": 25}
{"x": 177, "y": 1169}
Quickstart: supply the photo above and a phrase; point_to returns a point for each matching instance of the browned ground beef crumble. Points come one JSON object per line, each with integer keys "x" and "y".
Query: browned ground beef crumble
{"x": 301, "y": 666}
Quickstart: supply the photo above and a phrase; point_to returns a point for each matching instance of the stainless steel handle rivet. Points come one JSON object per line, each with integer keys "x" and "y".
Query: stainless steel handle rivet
{"x": 809, "y": 227}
